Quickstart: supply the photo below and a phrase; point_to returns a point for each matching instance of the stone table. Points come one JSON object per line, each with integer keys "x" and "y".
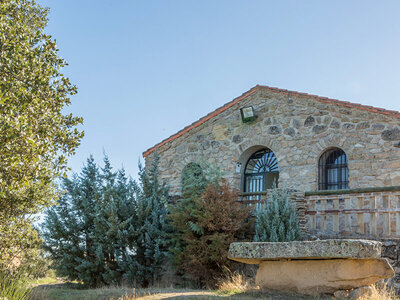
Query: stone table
{"x": 314, "y": 267}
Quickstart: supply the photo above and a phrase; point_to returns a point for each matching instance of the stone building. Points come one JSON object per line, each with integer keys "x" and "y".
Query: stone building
{"x": 342, "y": 158}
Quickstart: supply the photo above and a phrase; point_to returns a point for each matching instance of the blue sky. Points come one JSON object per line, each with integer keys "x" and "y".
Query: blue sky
{"x": 145, "y": 69}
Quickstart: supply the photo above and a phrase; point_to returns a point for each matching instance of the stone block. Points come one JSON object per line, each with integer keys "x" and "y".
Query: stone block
{"x": 254, "y": 253}
{"x": 315, "y": 277}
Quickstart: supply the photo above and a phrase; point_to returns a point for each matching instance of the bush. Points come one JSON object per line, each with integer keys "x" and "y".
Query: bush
{"x": 206, "y": 220}
{"x": 276, "y": 220}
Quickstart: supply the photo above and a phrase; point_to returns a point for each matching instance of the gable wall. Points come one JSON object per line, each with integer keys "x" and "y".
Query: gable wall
{"x": 297, "y": 129}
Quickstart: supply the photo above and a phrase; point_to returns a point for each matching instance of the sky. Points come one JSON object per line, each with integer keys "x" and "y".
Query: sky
{"x": 146, "y": 69}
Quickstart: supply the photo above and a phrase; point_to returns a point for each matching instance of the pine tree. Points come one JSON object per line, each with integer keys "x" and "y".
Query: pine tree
{"x": 151, "y": 225}
{"x": 276, "y": 220}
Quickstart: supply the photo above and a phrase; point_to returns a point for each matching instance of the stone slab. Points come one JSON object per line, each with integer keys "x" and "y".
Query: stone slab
{"x": 315, "y": 277}
{"x": 254, "y": 253}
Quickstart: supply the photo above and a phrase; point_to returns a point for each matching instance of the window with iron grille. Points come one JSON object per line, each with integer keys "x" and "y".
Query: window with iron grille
{"x": 261, "y": 171}
{"x": 333, "y": 170}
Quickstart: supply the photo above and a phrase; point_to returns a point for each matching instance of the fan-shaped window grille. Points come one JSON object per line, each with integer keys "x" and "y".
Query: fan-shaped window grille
{"x": 333, "y": 171}
{"x": 261, "y": 172}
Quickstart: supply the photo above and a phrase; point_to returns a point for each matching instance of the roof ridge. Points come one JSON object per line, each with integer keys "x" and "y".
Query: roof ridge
{"x": 392, "y": 113}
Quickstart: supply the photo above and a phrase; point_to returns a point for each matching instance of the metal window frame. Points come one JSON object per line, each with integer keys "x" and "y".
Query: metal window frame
{"x": 254, "y": 174}
{"x": 328, "y": 162}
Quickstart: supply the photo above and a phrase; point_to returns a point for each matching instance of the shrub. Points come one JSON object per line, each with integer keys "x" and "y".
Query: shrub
{"x": 276, "y": 220}
{"x": 206, "y": 222}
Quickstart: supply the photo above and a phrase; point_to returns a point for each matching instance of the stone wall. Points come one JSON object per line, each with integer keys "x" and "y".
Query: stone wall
{"x": 298, "y": 129}
{"x": 391, "y": 250}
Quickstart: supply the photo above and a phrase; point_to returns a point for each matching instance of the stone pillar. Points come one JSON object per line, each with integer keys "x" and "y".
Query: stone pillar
{"x": 298, "y": 198}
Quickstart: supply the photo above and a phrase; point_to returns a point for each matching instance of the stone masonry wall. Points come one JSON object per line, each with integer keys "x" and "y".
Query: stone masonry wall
{"x": 298, "y": 130}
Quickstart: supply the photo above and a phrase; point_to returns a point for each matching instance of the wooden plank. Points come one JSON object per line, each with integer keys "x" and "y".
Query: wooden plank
{"x": 336, "y": 215}
{"x": 386, "y": 218}
{"x": 360, "y": 215}
{"x": 373, "y": 227}
{"x": 397, "y": 197}
{"x": 347, "y": 217}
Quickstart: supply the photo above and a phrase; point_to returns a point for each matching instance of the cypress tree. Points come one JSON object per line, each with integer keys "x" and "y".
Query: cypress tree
{"x": 90, "y": 233}
{"x": 69, "y": 227}
{"x": 151, "y": 225}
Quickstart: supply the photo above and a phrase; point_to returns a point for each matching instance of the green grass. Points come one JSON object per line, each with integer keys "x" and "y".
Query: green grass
{"x": 13, "y": 288}
{"x": 61, "y": 293}
{"x": 45, "y": 280}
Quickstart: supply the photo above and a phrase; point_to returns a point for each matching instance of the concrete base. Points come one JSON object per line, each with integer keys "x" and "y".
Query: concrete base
{"x": 315, "y": 277}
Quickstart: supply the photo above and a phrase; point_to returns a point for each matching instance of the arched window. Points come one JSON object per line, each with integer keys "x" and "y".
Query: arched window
{"x": 333, "y": 171}
{"x": 261, "y": 171}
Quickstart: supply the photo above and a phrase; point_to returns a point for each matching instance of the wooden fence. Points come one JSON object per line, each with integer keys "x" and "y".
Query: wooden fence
{"x": 373, "y": 213}
{"x": 358, "y": 213}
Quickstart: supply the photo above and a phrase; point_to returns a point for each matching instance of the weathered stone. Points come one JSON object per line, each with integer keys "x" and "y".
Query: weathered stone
{"x": 296, "y": 123}
{"x": 348, "y": 126}
{"x": 378, "y": 126}
{"x": 363, "y": 125}
{"x": 274, "y": 130}
{"x": 391, "y": 135}
{"x": 237, "y": 139}
{"x": 214, "y": 144}
{"x": 361, "y": 293}
{"x": 254, "y": 253}
{"x": 319, "y": 129}
{"x": 310, "y": 121}
{"x": 335, "y": 124}
{"x": 200, "y": 138}
{"x": 205, "y": 145}
{"x": 341, "y": 294}
{"x": 220, "y": 132}
{"x": 290, "y": 132}
{"x": 192, "y": 148}
{"x": 267, "y": 121}
{"x": 321, "y": 276}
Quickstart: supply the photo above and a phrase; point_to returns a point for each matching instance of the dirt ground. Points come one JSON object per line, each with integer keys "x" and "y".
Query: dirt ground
{"x": 66, "y": 292}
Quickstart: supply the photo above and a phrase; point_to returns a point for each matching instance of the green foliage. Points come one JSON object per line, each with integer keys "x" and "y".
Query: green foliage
{"x": 205, "y": 221}
{"x": 152, "y": 227}
{"x": 12, "y": 287}
{"x": 19, "y": 243}
{"x": 36, "y": 135}
{"x": 276, "y": 220}
{"x": 90, "y": 234}
{"x": 107, "y": 229}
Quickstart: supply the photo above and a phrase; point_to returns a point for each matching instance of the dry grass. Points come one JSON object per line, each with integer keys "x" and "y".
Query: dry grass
{"x": 234, "y": 286}
{"x": 235, "y": 283}
{"x": 382, "y": 292}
